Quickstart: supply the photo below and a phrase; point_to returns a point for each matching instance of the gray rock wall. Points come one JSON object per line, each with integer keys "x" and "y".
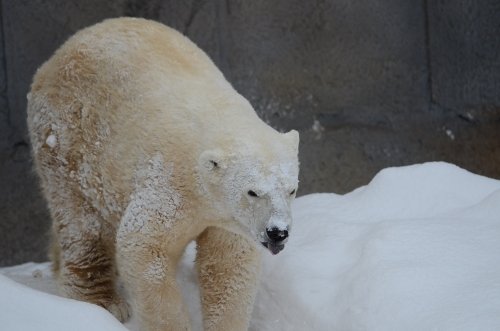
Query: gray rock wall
{"x": 368, "y": 83}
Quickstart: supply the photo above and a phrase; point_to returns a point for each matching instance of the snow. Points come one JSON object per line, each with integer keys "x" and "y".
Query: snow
{"x": 51, "y": 141}
{"x": 22, "y": 308}
{"x": 416, "y": 249}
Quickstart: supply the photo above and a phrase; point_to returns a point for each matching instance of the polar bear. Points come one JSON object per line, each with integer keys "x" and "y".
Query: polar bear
{"x": 142, "y": 146}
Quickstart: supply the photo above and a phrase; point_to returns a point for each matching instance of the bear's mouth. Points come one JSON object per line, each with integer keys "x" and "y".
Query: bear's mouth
{"x": 273, "y": 247}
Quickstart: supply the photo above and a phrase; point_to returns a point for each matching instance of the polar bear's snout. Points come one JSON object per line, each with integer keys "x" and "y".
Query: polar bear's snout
{"x": 276, "y": 234}
{"x": 276, "y": 239}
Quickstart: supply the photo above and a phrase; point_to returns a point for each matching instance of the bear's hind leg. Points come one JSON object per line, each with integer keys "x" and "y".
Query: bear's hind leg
{"x": 228, "y": 269}
{"x": 54, "y": 251}
{"x": 85, "y": 262}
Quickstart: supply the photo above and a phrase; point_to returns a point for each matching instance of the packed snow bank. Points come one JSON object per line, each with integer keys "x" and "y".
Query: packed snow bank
{"x": 418, "y": 248}
{"x": 22, "y": 308}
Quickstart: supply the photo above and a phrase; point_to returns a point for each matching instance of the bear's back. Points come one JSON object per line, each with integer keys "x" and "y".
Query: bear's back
{"x": 127, "y": 58}
{"x": 130, "y": 76}
{"x": 123, "y": 90}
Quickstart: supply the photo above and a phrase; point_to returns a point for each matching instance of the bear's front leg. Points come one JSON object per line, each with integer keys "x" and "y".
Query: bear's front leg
{"x": 149, "y": 276}
{"x": 148, "y": 246}
{"x": 228, "y": 268}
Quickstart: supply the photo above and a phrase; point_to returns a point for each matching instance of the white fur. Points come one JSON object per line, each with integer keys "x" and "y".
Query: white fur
{"x": 142, "y": 146}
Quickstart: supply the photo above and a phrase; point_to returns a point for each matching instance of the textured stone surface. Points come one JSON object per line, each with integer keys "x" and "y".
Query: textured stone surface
{"x": 23, "y": 219}
{"x": 32, "y": 30}
{"x": 464, "y": 72}
{"x": 368, "y": 83}
{"x": 465, "y": 52}
{"x": 338, "y": 71}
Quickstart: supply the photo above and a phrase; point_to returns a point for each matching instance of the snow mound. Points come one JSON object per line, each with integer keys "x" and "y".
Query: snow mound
{"x": 22, "y": 308}
{"x": 416, "y": 249}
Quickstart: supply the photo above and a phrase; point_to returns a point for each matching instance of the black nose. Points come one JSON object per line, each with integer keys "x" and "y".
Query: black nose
{"x": 276, "y": 234}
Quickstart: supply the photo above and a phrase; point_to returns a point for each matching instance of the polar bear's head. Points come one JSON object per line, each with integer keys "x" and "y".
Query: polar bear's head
{"x": 253, "y": 185}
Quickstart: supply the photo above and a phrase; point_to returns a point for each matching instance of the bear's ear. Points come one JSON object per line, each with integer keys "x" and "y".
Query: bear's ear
{"x": 292, "y": 137}
{"x": 212, "y": 161}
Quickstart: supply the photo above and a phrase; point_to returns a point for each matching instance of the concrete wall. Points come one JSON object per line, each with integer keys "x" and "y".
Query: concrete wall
{"x": 368, "y": 83}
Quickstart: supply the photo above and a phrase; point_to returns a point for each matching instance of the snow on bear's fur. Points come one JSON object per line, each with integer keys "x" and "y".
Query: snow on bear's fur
{"x": 142, "y": 146}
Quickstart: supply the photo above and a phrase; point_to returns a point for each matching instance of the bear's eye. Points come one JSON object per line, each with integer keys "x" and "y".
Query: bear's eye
{"x": 293, "y": 192}
{"x": 252, "y": 193}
